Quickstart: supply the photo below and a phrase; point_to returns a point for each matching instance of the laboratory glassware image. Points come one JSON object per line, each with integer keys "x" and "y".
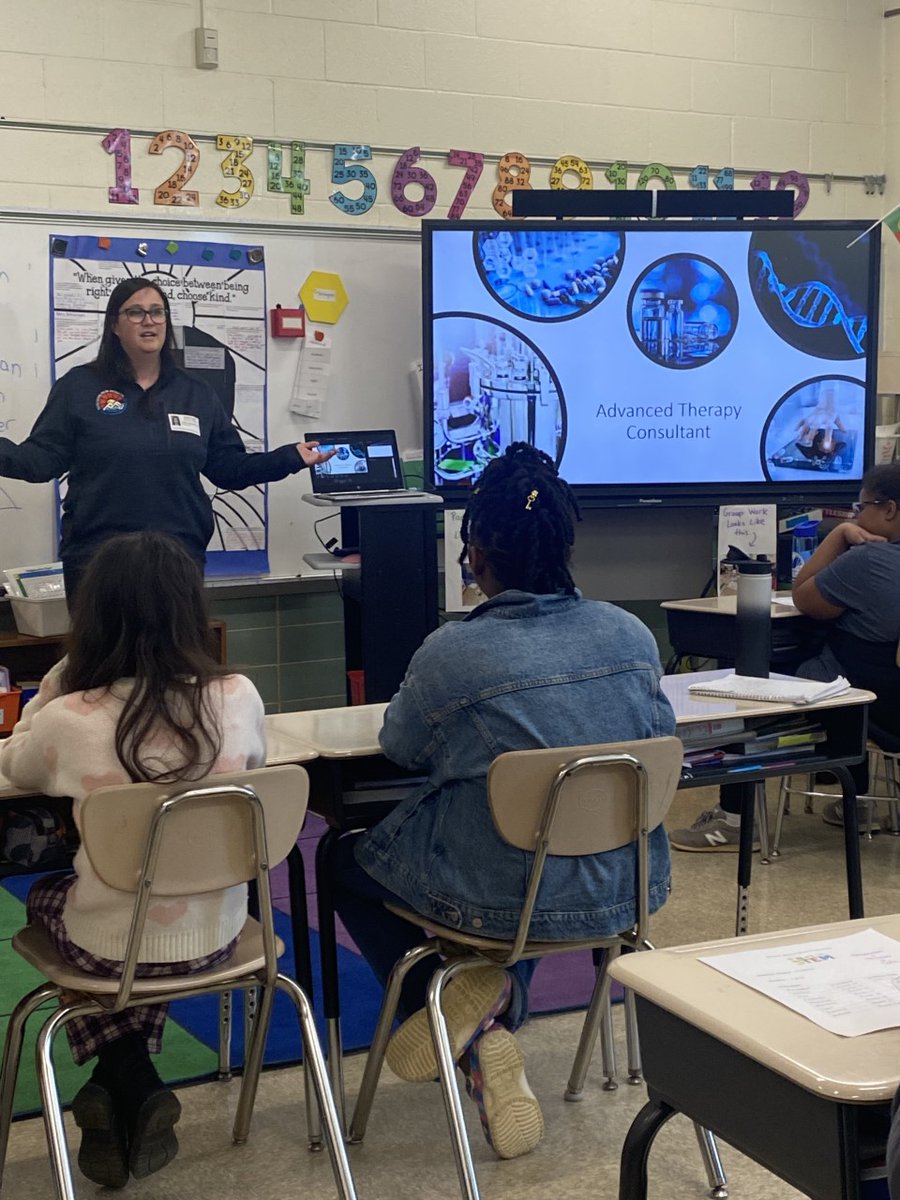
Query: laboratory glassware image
{"x": 491, "y": 387}
{"x": 683, "y": 311}
{"x": 816, "y": 427}
{"x": 812, "y": 288}
{"x": 549, "y": 275}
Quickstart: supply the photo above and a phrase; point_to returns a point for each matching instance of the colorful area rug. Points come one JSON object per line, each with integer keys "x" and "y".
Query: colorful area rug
{"x": 190, "y": 1050}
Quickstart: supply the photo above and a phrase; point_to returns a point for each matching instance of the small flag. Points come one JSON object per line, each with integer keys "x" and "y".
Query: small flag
{"x": 892, "y": 220}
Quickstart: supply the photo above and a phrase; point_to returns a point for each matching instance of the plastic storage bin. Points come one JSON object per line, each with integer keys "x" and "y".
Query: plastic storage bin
{"x": 40, "y": 618}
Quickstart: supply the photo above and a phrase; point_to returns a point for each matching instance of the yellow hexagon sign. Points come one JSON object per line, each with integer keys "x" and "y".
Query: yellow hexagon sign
{"x": 323, "y": 297}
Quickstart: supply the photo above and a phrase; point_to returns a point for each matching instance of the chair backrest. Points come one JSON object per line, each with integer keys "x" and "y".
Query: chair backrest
{"x": 598, "y": 789}
{"x": 580, "y": 800}
{"x": 206, "y": 832}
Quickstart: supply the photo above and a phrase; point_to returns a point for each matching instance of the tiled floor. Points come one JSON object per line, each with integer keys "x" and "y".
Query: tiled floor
{"x": 406, "y": 1154}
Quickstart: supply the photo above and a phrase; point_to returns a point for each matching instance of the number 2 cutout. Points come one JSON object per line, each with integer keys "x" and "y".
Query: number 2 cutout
{"x": 172, "y": 191}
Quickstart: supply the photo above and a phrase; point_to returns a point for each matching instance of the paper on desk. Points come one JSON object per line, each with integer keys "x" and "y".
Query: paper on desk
{"x": 783, "y": 601}
{"x": 847, "y": 985}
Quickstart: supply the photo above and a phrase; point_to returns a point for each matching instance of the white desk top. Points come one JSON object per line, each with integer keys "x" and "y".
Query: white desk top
{"x": 863, "y": 1069}
{"x": 334, "y": 732}
{"x": 726, "y": 606}
{"x": 280, "y": 748}
{"x": 690, "y": 708}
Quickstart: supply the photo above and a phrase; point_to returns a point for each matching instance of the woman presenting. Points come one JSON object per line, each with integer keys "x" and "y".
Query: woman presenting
{"x": 135, "y": 433}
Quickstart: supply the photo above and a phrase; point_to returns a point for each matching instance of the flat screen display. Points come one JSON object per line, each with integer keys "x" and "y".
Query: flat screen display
{"x": 689, "y": 361}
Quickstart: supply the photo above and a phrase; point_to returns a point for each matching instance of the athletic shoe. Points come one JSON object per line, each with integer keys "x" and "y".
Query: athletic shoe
{"x": 471, "y": 1000}
{"x": 103, "y": 1156}
{"x": 510, "y": 1114}
{"x": 153, "y": 1143}
{"x": 711, "y": 831}
{"x": 833, "y": 814}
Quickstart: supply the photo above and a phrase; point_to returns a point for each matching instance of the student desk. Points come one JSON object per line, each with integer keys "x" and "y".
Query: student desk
{"x": 795, "y": 1098}
{"x": 707, "y": 628}
{"x": 353, "y": 786}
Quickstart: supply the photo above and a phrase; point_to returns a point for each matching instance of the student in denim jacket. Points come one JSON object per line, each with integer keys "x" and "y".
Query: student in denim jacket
{"x": 536, "y": 665}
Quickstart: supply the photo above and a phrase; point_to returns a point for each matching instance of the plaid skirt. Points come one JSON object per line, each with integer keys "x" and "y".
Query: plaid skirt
{"x": 45, "y": 905}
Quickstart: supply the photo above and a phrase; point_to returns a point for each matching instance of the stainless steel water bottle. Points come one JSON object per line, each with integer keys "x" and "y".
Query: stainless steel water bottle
{"x": 754, "y": 617}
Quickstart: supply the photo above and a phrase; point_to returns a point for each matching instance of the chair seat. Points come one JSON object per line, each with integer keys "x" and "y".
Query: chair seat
{"x": 34, "y": 945}
{"x": 498, "y": 946}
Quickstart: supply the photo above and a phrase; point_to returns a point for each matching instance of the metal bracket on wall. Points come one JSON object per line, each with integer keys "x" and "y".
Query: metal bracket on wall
{"x": 829, "y": 180}
{"x": 874, "y": 183}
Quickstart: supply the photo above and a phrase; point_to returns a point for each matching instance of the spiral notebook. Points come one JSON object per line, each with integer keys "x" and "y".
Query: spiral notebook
{"x": 776, "y": 691}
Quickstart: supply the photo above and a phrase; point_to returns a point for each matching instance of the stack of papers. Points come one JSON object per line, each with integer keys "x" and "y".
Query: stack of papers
{"x": 782, "y": 691}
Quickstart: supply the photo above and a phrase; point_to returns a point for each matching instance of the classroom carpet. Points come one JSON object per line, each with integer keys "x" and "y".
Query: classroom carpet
{"x": 190, "y": 1045}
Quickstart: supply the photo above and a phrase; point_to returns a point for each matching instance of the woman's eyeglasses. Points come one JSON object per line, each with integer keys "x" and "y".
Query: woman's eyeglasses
{"x": 157, "y": 314}
{"x": 859, "y": 505}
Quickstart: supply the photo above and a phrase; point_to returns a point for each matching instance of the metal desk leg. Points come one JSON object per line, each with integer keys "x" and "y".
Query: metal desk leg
{"x": 745, "y": 856}
{"x": 303, "y": 975}
{"x": 851, "y": 842}
{"x": 328, "y": 949}
{"x": 644, "y": 1128}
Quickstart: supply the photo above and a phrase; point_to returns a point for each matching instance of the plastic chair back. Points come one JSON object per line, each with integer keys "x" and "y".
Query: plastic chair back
{"x": 206, "y": 835}
{"x": 597, "y": 793}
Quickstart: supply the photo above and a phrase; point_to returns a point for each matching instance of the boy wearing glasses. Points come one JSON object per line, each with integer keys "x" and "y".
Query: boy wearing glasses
{"x": 135, "y": 433}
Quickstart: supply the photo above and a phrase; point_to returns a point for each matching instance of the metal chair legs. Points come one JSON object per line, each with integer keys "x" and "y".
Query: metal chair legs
{"x": 715, "y": 1172}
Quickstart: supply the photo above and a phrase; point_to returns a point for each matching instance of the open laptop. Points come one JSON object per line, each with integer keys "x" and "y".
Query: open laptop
{"x": 366, "y": 467}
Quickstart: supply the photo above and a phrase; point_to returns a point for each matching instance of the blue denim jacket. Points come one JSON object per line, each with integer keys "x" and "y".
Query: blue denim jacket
{"x": 521, "y": 671}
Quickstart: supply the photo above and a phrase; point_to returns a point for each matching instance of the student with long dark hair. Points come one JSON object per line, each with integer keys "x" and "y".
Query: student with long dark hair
{"x": 139, "y": 697}
{"x": 535, "y": 665}
{"x": 135, "y": 433}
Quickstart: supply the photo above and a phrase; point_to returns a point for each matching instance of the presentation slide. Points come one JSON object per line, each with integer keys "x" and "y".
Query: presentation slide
{"x": 652, "y": 356}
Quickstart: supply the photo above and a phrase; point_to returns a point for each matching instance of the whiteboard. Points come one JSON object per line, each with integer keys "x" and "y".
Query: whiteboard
{"x": 374, "y": 345}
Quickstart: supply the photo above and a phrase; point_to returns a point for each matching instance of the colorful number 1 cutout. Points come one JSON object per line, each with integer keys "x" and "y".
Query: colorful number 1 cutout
{"x": 172, "y": 192}
{"x": 118, "y": 142}
{"x": 474, "y": 164}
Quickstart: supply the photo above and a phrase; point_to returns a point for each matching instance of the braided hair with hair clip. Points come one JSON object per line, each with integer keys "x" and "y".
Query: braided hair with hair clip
{"x": 523, "y": 516}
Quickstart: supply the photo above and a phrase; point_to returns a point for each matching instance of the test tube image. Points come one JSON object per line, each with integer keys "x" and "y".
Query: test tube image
{"x": 491, "y": 387}
{"x": 549, "y": 275}
{"x": 683, "y": 311}
{"x": 816, "y": 427}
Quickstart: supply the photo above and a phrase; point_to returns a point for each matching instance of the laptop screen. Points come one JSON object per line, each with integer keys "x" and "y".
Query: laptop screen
{"x": 366, "y": 460}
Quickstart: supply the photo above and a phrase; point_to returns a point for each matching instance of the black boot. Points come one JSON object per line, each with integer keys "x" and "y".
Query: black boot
{"x": 148, "y": 1108}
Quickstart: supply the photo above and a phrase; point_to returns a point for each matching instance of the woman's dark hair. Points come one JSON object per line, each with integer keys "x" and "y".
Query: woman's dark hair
{"x": 883, "y": 482}
{"x": 140, "y": 614}
{"x": 111, "y": 359}
{"x": 523, "y": 516}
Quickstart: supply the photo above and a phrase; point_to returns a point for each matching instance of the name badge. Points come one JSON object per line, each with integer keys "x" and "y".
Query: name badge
{"x": 184, "y": 423}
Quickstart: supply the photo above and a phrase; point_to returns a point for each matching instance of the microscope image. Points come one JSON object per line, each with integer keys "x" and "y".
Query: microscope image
{"x": 491, "y": 387}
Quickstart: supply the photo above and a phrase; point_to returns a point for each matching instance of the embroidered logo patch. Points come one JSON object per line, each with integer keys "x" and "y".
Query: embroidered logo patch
{"x": 111, "y": 402}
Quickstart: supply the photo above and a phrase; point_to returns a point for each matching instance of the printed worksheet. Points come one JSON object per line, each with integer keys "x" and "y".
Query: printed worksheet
{"x": 848, "y": 985}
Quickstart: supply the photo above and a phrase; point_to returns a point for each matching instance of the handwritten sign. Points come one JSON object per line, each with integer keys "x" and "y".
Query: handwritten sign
{"x": 745, "y": 530}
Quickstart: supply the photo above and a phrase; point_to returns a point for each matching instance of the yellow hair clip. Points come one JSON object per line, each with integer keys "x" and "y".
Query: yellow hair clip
{"x": 532, "y": 496}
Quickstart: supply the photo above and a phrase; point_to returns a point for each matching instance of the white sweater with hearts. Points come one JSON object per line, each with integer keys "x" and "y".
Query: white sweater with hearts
{"x": 64, "y": 745}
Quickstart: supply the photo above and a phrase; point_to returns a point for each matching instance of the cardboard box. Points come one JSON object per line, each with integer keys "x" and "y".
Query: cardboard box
{"x": 40, "y": 618}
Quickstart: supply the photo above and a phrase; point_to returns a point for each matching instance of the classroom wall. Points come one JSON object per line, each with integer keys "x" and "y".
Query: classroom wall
{"x": 754, "y": 84}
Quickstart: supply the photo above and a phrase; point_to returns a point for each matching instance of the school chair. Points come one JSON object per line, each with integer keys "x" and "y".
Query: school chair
{"x": 580, "y": 800}
{"x": 152, "y": 840}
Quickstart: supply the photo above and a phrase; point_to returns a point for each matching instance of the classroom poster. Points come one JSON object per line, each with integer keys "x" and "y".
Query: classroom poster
{"x": 462, "y": 593}
{"x": 217, "y": 298}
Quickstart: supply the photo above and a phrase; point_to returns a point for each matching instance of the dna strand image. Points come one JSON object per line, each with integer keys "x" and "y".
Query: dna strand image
{"x": 812, "y": 305}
